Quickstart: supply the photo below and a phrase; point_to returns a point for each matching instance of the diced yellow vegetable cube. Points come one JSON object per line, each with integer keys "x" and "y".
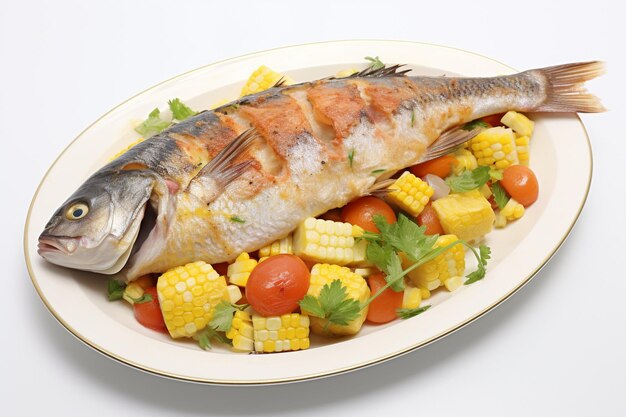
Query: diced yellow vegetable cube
{"x": 132, "y": 292}
{"x": 239, "y": 272}
{"x": 521, "y": 124}
{"x": 466, "y": 215}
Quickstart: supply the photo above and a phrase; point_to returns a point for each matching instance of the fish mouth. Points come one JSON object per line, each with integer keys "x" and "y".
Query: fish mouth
{"x": 56, "y": 245}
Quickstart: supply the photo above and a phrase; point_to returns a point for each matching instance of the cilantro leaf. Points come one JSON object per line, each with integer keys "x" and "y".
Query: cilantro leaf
{"x": 407, "y": 313}
{"x": 405, "y": 236}
{"x": 500, "y": 195}
{"x": 469, "y": 180}
{"x": 206, "y": 335}
{"x": 376, "y": 63}
{"x": 180, "y": 111}
{"x": 115, "y": 289}
{"x": 484, "y": 254}
{"x": 378, "y": 171}
{"x": 152, "y": 125}
{"x": 223, "y": 316}
{"x": 469, "y": 126}
{"x": 332, "y": 304}
{"x": 237, "y": 219}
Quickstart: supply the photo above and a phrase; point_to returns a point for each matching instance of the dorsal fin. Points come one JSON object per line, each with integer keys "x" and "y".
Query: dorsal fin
{"x": 374, "y": 72}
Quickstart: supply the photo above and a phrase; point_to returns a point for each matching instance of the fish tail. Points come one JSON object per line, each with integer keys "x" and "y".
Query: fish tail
{"x": 565, "y": 88}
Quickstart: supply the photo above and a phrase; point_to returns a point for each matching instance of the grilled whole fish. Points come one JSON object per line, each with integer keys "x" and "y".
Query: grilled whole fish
{"x": 247, "y": 173}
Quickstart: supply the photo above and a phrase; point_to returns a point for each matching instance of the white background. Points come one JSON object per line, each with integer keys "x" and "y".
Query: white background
{"x": 557, "y": 347}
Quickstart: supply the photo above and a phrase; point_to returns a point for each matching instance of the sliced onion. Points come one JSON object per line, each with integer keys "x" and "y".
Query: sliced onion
{"x": 437, "y": 184}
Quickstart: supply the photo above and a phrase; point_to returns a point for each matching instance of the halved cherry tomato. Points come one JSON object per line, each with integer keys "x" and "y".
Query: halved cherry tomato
{"x": 383, "y": 308}
{"x": 521, "y": 184}
{"x": 277, "y": 284}
{"x": 428, "y": 217}
{"x": 493, "y": 120}
{"x": 361, "y": 211}
{"x": 441, "y": 167}
{"x": 149, "y": 313}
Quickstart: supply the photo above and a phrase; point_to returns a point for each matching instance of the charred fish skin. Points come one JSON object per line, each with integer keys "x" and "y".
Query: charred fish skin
{"x": 317, "y": 146}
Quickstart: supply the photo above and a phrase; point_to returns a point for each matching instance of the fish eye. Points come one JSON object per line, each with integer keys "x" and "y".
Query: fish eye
{"x": 77, "y": 211}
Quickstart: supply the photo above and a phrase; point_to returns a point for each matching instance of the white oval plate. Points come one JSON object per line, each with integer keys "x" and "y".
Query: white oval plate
{"x": 78, "y": 300}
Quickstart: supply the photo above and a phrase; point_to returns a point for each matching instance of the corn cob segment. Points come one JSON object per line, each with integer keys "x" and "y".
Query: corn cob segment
{"x": 466, "y": 215}
{"x": 241, "y": 332}
{"x": 262, "y": 79}
{"x": 412, "y": 297}
{"x": 326, "y": 241}
{"x": 411, "y": 195}
{"x": 435, "y": 273}
{"x": 281, "y": 333}
{"x": 521, "y": 124}
{"x": 495, "y": 146}
{"x": 511, "y": 211}
{"x": 239, "y": 271}
{"x": 356, "y": 288}
{"x": 284, "y": 245}
{"x": 522, "y": 144}
{"x": 188, "y": 296}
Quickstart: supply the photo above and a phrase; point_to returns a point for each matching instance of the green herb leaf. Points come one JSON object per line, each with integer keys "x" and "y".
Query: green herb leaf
{"x": 180, "y": 111}
{"x": 152, "y": 125}
{"x": 376, "y": 63}
{"x": 351, "y": 157}
{"x": 484, "y": 254}
{"x": 413, "y": 118}
{"x": 146, "y": 298}
{"x": 469, "y": 126}
{"x": 332, "y": 304}
{"x": 237, "y": 219}
{"x": 500, "y": 195}
{"x": 469, "y": 180}
{"x": 378, "y": 171}
{"x": 223, "y": 314}
{"x": 407, "y": 313}
{"x": 495, "y": 174}
{"x": 206, "y": 335}
{"x": 405, "y": 236}
{"x": 115, "y": 289}
{"x": 394, "y": 269}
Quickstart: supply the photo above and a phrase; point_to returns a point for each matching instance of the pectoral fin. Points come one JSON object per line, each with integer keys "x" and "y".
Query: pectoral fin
{"x": 449, "y": 142}
{"x": 214, "y": 177}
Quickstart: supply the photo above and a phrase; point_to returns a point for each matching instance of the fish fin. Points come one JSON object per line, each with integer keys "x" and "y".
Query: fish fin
{"x": 213, "y": 178}
{"x": 450, "y": 141}
{"x": 565, "y": 89}
{"x": 381, "y": 188}
{"x": 280, "y": 82}
{"x": 370, "y": 72}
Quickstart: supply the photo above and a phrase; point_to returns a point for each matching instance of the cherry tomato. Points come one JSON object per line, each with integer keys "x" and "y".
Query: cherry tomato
{"x": 521, "y": 184}
{"x": 441, "y": 167}
{"x": 277, "y": 284}
{"x": 428, "y": 217}
{"x": 383, "y": 308}
{"x": 362, "y": 210}
{"x": 149, "y": 313}
{"x": 493, "y": 120}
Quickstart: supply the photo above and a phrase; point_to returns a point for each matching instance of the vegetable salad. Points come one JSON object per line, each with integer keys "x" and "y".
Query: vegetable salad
{"x": 375, "y": 260}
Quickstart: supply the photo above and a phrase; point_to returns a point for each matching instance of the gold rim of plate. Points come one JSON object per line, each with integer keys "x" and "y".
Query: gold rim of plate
{"x": 315, "y": 375}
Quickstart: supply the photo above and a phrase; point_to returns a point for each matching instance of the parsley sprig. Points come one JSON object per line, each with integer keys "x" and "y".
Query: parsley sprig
{"x": 220, "y": 323}
{"x": 155, "y": 124}
{"x": 332, "y": 304}
{"x": 469, "y": 180}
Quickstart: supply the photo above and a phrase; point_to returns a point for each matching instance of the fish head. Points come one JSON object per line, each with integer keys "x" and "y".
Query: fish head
{"x": 97, "y": 226}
